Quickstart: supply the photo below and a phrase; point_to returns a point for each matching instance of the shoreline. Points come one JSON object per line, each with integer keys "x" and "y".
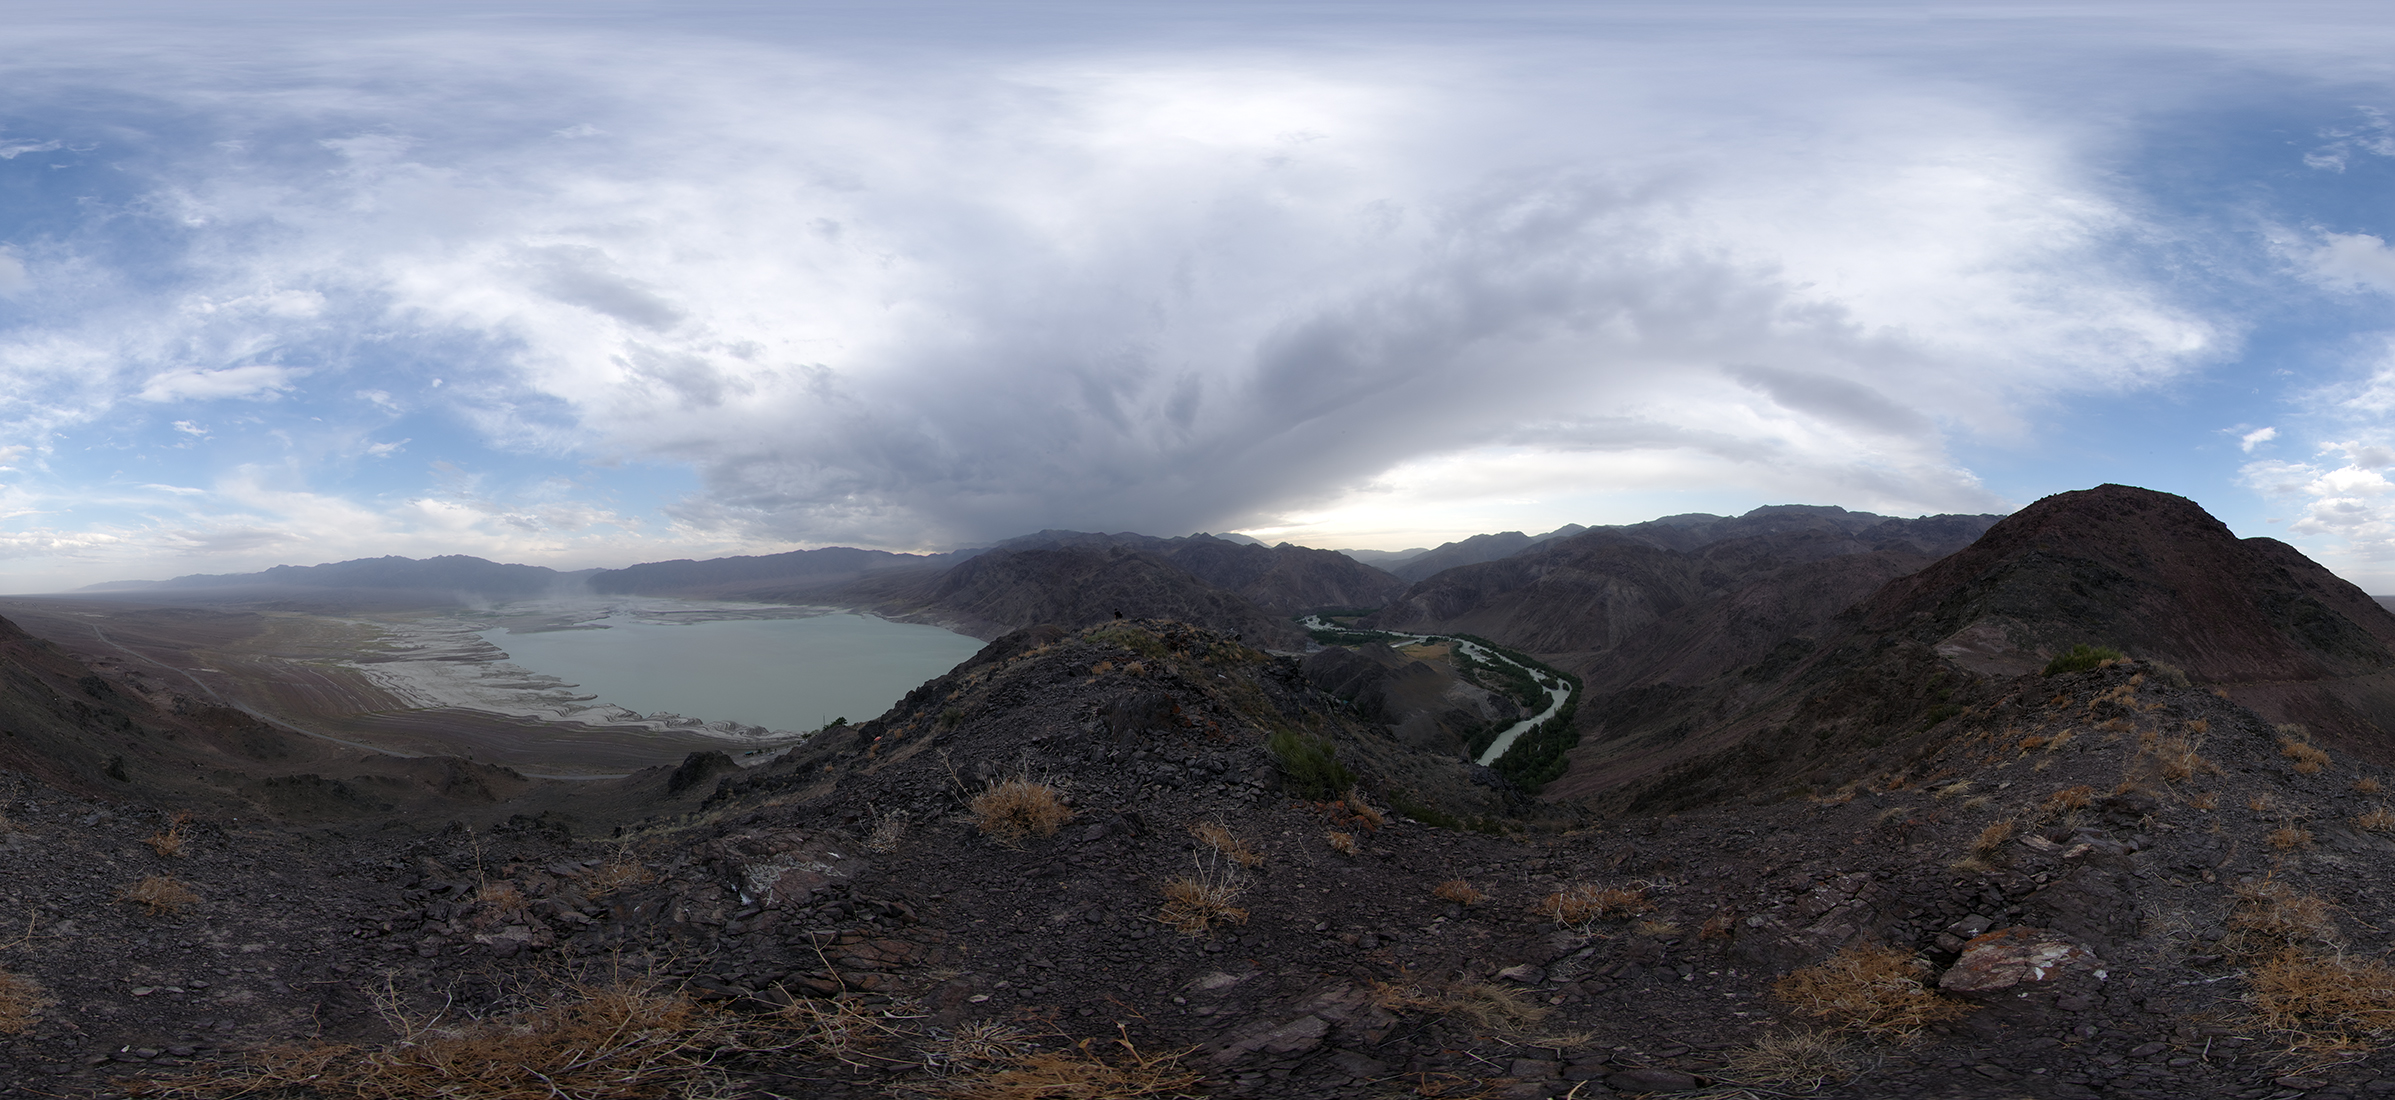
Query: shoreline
{"x": 445, "y": 662}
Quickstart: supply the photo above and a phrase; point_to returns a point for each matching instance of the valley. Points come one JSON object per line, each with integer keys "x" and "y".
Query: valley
{"x": 2091, "y": 800}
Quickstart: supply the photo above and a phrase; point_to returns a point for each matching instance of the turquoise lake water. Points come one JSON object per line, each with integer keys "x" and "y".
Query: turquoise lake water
{"x": 785, "y": 674}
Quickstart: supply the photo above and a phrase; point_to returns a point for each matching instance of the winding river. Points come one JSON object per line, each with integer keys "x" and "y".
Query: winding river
{"x": 1559, "y": 690}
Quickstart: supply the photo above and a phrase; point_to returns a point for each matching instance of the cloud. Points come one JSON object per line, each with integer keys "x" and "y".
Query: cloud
{"x": 2256, "y": 438}
{"x": 14, "y": 279}
{"x": 2357, "y": 261}
{"x": 251, "y": 382}
{"x": 928, "y": 301}
{"x": 11, "y": 150}
{"x": 2372, "y": 135}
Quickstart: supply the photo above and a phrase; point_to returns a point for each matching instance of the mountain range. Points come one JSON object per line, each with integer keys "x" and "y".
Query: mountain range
{"x": 2084, "y": 801}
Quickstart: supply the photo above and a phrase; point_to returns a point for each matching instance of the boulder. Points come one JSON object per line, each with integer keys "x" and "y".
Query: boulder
{"x": 2012, "y": 957}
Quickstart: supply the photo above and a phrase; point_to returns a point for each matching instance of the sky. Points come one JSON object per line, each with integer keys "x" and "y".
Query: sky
{"x": 590, "y": 284}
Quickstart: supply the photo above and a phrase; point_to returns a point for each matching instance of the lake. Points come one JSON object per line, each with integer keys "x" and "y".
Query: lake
{"x": 781, "y": 673}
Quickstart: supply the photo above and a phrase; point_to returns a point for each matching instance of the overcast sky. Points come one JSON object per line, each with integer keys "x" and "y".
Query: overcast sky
{"x": 592, "y": 284}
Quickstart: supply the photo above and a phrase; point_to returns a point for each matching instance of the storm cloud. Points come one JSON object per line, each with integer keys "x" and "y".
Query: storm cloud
{"x": 592, "y": 292}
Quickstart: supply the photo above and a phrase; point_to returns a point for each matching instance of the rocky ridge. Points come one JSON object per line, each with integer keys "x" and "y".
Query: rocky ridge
{"x": 2103, "y": 942}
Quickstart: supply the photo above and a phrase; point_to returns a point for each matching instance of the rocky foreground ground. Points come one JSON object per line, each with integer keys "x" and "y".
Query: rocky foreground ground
{"x": 2106, "y": 883}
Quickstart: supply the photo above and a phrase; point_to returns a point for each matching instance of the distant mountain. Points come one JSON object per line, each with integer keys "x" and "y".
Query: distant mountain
{"x": 1386, "y": 559}
{"x": 448, "y": 573}
{"x": 1597, "y": 590}
{"x": 726, "y": 576}
{"x": 1284, "y": 579}
{"x": 1477, "y": 549}
{"x": 1007, "y": 589}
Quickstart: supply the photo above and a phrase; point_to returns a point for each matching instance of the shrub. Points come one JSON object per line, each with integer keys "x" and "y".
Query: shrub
{"x": 1868, "y": 990}
{"x": 1219, "y": 837}
{"x": 1310, "y": 765}
{"x": 1587, "y": 902}
{"x": 1342, "y": 843}
{"x": 1015, "y": 809}
{"x": 160, "y": 895}
{"x": 2379, "y": 820}
{"x": 21, "y": 999}
{"x": 2081, "y": 658}
{"x": 2287, "y": 838}
{"x": 1457, "y": 891}
{"x": 1194, "y": 904}
{"x": 2366, "y": 785}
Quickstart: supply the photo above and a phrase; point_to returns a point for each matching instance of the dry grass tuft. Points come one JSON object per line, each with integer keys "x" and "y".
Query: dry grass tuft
{"x": 2268, "y": 915}
{"x": 1342, "y": 843}
{"x": 1492, "y": 1007}
{"x": 21, "y": 999}
{"x": 977, "y": 1046}
{"x": 1017, "y": 809}
{"x": 1194, "y": 904}
{"x": 1218, "y": 836}
{"x": 1083, "y": 1073}
{"x": 1869, "y": 990}
{"x": 1977, "y": 803}
{"x": 2309, "y": 758}
{"x": 2259, "y": 803}
{"x": 2287, "y": 838}
{"x": 1587, "y": 902}
{"x": 159, "y": 894}
{"x": 1365, "y": 815}
{"x": 1987, "y": 849}
{"x": 2204, "y": 800}
{"x": 889, "y": 832}
{"x": 496, "y": 901}
{"x": 169, "y": 842}
{"x": 1952, "y": 790}
{"x": 2366, "y": 785}
{"x": 1458, "y": 891}
{"x": 624, "y": 870}
{"x": 628, "y": 1041}
{"x": 2378, "y": 820}
{"x": 2179, "y": 759}
{"x": 2329, "y": 1007}
{"x": 1658, "y": 929}
{"x": 844, "y": 1029}
{"x": 1804, "y": 1061}
{"x": 2070, "y": 798}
